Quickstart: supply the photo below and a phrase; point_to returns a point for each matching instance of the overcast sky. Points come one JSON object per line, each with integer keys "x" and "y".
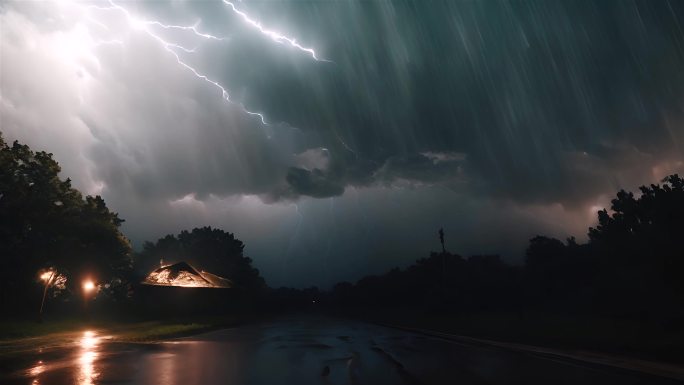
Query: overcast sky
{"x": 336, "y": 137}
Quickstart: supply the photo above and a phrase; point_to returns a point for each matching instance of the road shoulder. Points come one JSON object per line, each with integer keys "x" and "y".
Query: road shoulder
{"x": 660, "y": 369}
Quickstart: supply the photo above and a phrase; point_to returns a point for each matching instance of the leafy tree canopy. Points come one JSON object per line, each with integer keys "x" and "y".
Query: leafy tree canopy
{"x": 657, "y": 215}
{"x": 213, "y": 250}
{"x": 45, "y": 223}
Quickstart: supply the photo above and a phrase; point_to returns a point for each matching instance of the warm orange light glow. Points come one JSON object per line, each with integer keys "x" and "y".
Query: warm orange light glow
{"x": 89, "y": 340}
{"x": 37, "y": 369}
{"x": 182, "y": 279}
{"x": 88, "y": 354}
{"x": 88, "y": 286}
{"x": 46, "y": 275}
{"x": 88, "y": 373}
{"x": 183, "y": 275}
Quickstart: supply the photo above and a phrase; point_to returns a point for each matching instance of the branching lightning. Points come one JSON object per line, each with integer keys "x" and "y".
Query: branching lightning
{"x": 149, "y": 27}
{"x": 192, "y": 28}
{"x": 273, "y": 35}
{"x": 136, "y": 23}
{"x": 171, "y": 47}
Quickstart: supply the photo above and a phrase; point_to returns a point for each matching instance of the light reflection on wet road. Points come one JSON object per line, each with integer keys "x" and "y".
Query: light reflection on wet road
{"x": 301, "y": 350}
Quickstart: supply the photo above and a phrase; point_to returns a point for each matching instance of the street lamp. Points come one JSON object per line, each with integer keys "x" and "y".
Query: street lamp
{"x": 88, "y": 286}
{"x": 46, "y": 277}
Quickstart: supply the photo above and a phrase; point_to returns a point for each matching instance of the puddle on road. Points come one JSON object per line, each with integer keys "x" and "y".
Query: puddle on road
{"x": 76, "y": 364}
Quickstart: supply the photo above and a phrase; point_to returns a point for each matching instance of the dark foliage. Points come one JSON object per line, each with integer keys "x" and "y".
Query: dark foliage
{"x": 631, "y": 267}
{"x": 639, "y": 249}
{"x": 45, "y": 223}
{"x": 212, "y": 250}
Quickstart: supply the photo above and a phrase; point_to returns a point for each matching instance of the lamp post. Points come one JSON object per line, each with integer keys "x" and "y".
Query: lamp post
{"x": 46, "y": 277}
{"x": 88, "y": 286}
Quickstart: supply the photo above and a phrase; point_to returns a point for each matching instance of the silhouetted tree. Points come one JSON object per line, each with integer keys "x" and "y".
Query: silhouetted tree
{"x": 631, "y": 266}
{"x": 45, "y": 223}
{"x": 556, "y": 274}
{"x": 641, "y": 248}
{"x": 213, "y": 250}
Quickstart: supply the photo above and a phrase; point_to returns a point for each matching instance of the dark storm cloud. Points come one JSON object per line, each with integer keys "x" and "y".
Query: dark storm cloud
{"x": 497, "y": 120}
{"x": 522, "y": 88}
{"x": 538, "y": 97}
{"x": 313, "y": 183}
{"x": 425, "y": 168}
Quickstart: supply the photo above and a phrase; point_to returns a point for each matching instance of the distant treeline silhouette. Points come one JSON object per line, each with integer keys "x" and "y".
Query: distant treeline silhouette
{"x": 631, "y": 266}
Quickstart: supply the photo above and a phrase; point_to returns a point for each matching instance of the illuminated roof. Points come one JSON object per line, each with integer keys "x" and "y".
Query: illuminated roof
{"x": 181, "y": 274}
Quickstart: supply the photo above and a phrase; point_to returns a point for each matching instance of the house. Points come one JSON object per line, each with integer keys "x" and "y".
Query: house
{"x": 182, "y": 274}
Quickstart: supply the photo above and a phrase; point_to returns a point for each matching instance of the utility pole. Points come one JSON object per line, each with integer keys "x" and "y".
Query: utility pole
{"x": 441, "y": 239}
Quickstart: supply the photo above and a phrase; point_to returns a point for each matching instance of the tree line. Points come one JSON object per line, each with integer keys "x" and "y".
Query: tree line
{"x": 631, "y": 265}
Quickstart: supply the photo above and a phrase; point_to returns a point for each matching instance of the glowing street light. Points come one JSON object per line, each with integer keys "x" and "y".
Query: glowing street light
{"x": 46, "y": 277}
{"x": 88, "y": 286}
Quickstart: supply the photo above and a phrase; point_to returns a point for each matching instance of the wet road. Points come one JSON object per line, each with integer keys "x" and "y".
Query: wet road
{"x": 303, "y": 350}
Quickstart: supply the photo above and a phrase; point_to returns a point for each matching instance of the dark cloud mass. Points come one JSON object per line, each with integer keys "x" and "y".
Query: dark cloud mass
{"x": 495, "y": 119}
{"x": 522, "y": 88}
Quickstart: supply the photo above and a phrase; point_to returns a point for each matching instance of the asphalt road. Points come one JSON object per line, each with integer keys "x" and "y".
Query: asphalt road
{"x": 299, "y": 351}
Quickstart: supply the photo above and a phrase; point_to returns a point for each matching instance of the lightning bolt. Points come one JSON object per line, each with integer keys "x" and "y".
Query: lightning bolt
{"x": 275, "y": 36}
{"x": 137, "y": 22}
{"x": 173, "y": 48}
{"x": 192, "y": 28}
{"x": 170, "y": 47}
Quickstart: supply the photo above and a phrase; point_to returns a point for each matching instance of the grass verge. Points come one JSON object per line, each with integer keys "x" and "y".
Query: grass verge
{"x": 17, "y": 337}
